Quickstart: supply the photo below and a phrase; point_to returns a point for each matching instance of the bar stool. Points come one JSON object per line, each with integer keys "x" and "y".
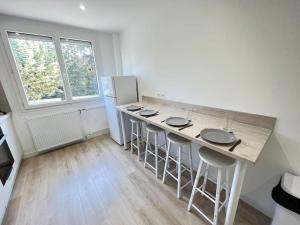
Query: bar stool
{"x": 151, "y": 129}
{"x": 179, "y": 142}
{"x": 221, "y": 163}
{"x": 136, "y": 130}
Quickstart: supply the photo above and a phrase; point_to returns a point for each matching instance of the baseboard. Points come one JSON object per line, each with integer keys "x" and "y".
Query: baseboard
{"x": 98, "y": 133}
{"x": 35, "y": 153}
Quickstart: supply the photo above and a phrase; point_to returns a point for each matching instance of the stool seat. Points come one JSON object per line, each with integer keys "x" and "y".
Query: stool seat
{"x": 152, "y": 128}
{"x": 214, "y": 158}
{"x": 177, "y": 139}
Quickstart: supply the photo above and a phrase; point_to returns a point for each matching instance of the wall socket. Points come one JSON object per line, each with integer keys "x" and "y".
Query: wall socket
{"x": 161, "y": 95}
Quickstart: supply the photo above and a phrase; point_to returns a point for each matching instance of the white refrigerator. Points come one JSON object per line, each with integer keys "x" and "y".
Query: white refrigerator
{"x": 118, "y": 90}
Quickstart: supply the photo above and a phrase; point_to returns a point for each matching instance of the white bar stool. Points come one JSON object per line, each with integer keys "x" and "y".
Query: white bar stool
{"x": 151, "y": 129}
{"x": 222, "y": 163}
{"x": 136, "y": 131}
{"x": 179, "y": 142}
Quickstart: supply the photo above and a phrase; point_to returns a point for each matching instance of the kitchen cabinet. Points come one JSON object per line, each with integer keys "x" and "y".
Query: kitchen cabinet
{"x": 15, "y": 148}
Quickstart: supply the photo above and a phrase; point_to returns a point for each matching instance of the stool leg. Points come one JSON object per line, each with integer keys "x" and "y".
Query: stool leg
{"x": 195, "y": 185}
{"x": 156, "y": 154}
{"x": 138, "y": 140}
{"x": 179, "y": 172}
{"x": 216, "y": 211}
{"x": 143, "y": 133}
{"x": 131, "y": 137}
{"x": 146, "y": 151}
{"x": 167, "y": 162}
{"x": 166, "y": 141}
{"x": 205, "y": 178}
{"x": 191, "y": 165}
{"x": 227, "y": 188}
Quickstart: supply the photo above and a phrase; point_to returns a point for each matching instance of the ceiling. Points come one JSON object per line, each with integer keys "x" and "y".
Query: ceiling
{"x": 111, "y": 15}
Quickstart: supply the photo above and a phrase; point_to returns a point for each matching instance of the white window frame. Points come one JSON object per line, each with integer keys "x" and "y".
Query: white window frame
{"x": 80, "y": 98}
{"x": 67, "y": 89}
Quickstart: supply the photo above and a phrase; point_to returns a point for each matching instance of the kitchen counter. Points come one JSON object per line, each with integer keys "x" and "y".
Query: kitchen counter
{"x": 253, "y": 137}
{"x": 254, "y": 131}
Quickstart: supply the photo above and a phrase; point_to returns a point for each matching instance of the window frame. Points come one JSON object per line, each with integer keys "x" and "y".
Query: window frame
{"x": 68, "y": 94}
{"x": 81, "y": 98}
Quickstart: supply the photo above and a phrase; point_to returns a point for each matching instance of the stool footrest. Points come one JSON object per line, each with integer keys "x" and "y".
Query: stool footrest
{"x": 169, "y": 173}
{"x": 211, "y": 197}
{"x": 152, "y": 153}
{"x": 202, "y": 214}
{"x": 150, "y": 166}
{"x": 186, "y": 184}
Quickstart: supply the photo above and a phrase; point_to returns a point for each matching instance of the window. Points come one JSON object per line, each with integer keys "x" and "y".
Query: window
{"x": 38, "y": 67}
{"x": 48, "y": 76}
{"x": 80, "y": 65}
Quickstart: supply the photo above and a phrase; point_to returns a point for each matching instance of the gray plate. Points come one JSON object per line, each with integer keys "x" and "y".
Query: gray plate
{"x": 177, "y": 121}
{"x": 217, "y": 136}
{"x": 147, "y": 112}
{"x": 133, "y": 107}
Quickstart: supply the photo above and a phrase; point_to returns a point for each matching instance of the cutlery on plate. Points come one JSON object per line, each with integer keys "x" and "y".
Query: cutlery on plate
{"x": 186, "y": 126}
{"x": 164, "y": 120}
{"x": 198, "y": 135}
{"x": 235, "y": 144}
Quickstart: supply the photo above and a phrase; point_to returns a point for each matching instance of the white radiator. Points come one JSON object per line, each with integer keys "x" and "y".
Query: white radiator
{"x": 49, "y": 131}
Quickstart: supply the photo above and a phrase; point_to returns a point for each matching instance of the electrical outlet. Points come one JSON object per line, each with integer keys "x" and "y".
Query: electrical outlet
{"x": 161, "y": 95}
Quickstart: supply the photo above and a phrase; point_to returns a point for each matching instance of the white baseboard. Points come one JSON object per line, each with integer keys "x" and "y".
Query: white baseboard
{"x": 98, "y": 133}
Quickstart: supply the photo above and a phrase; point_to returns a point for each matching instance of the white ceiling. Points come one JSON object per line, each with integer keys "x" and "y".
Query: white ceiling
{"x": 112, "y": 15}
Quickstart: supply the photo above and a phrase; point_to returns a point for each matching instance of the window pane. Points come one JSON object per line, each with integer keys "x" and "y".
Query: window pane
{"x": 38, "y": 68}
{"x": 80, "y": 64}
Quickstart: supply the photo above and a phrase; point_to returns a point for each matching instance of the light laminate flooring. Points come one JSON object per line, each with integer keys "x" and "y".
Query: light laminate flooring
{"x": 97, "y": 182}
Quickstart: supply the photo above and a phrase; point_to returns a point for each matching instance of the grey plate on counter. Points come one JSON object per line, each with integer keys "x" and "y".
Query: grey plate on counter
{"x": 217, "y": 136}
{"x": 148, "y": 112}
{"x": 133, "y": 107}
{"x": 177, "y": 121}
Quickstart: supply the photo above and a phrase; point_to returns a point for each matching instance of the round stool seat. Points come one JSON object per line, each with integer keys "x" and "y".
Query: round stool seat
{"x": 152, "y": 128}
{"x": 214, "y": 158}
{"x": 178, "y": 139}
{"x": 134, "y": 120}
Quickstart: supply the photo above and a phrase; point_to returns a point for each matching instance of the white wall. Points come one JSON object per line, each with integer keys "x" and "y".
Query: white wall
{"x": 105, "y": 60}
{"x": 238, "y": 55}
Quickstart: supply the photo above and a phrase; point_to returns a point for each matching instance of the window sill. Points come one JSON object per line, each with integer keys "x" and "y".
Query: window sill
{"x": 86, "y": 100}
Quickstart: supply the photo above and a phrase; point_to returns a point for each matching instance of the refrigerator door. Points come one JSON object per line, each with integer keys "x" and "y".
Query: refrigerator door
{"x": 125, "y": 89}
{"x": 113, "y": 119}
{"x": 108, "y": 86}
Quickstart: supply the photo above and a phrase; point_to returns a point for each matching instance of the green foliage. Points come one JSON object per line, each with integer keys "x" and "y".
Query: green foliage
{"x": 38, "y": 67}
{"x": 40, "y": 72}
{"x": 80, "y": 65}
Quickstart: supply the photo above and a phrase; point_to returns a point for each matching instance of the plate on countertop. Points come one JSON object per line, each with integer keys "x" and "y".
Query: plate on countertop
{"x": 148, "y": 112}
{"x": 133, "y": 107}
{"x": 217, "y": 136}
{"x": 177, "y": 121}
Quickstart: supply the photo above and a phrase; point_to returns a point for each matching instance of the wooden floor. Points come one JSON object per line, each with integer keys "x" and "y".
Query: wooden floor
{"x": 97, "y": 182}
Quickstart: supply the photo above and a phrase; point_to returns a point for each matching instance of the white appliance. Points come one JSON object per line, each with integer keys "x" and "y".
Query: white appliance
{"x": 291, "y": 185}
{"x": 118, "y": 90}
